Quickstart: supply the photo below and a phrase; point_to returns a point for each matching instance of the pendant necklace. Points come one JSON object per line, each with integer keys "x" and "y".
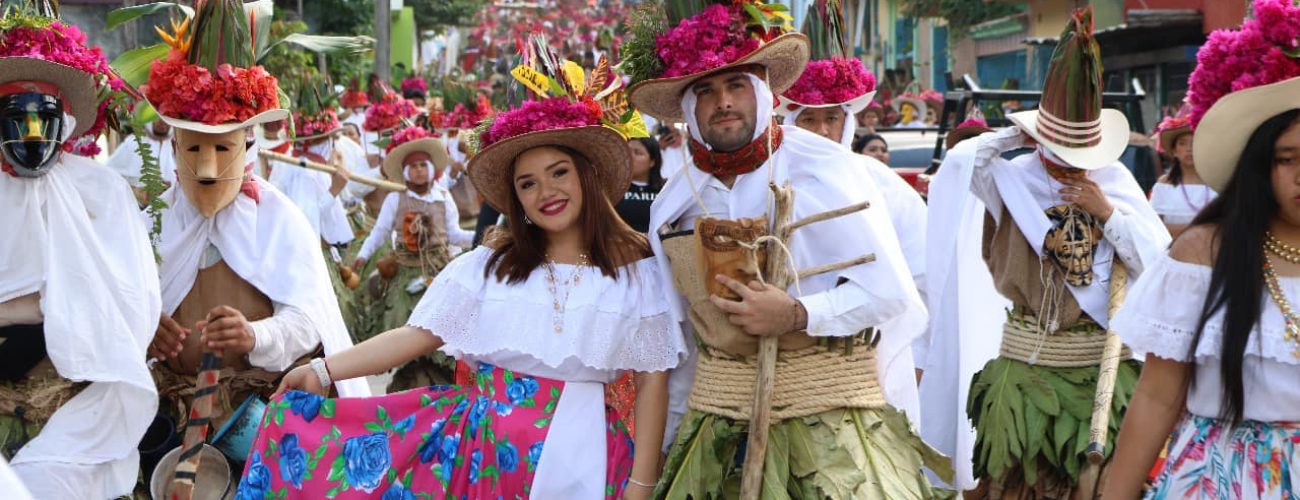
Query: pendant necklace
{"x": 552, "y": 284}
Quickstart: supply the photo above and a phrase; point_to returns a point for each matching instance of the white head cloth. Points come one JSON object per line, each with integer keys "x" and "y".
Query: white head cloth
{"x": 763, "y": 100}
{"x": 75, "y": 237}
{"x": 268, "y": 244}
{"x": 846, "y": 132}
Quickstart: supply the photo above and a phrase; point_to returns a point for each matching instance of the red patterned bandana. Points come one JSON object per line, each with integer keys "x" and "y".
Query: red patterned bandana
{"x": 741, "y": 161}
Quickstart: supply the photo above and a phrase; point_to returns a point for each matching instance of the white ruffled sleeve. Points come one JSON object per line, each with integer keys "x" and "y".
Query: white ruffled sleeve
{"x": 450, "y": 306}
{"x": 1163, "y": 308}
{"x": 654, "y": 341}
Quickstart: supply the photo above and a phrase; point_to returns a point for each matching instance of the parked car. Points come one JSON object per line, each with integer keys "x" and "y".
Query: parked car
{"x": 910, "y": 153}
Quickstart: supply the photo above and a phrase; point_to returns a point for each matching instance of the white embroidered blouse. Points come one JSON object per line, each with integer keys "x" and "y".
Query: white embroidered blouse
{"x": 1161, "y": 315}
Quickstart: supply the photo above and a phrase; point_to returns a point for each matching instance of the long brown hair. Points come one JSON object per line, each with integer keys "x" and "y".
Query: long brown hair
{"x": 610, "y": 244}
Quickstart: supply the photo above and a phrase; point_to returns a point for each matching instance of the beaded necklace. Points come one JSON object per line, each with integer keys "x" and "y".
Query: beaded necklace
{"x": 557, "y": 316}
{"x": 1291, "y": 254}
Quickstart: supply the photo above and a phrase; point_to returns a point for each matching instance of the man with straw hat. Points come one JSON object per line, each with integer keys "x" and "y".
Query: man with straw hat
{"x": 79, "y": 291}
{"x": 242, "y": 273}
{"x": 707, "y": 229}
{"x": 832, "y": 89}
{"x": 420, "y": 226}
{"x": 1053, "y": 226}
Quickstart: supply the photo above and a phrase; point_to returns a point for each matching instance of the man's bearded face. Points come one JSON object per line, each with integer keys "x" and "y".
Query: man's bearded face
{"x": 31, "y": 130}
{"x": 725, "y": 110}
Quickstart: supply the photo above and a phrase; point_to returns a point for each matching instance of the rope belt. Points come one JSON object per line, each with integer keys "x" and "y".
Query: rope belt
{"x": 430, "y": 256}
{"x": 809, "y": 381}
{"x": 39, "y": 395}
{"x": 1074, "y": 347}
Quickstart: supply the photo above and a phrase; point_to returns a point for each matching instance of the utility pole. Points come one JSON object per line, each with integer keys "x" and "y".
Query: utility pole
{"x": 383, "y": 56}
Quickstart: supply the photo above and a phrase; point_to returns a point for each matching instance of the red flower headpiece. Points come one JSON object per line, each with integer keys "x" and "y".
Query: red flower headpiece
{"x": 308, "y": 125}
{"x": 354, "y": 99}
{"x": 1259, "y": 53}
{"x": 414, "y": 84}
{"x": 388, "y": 113}
{"x": 711, "y": 39}
{"x": 406, "y": 135}
{"x": 533, "y": 116}
{"x": 64, "y": 44}
{"x": 832, "y": 81}
{"x": 231, "y": 94}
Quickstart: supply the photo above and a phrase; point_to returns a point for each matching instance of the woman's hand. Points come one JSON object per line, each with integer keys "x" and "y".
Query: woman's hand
{"x": 302, "y": 378}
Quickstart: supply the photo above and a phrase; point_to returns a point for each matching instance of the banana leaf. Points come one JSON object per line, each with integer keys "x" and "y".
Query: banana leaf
{"x": 325, "y": 44}
{"x": 123, "y": 15}
{"x": 133, "y": 65}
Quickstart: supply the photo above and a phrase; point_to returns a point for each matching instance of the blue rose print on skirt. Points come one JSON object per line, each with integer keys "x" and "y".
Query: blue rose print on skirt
{"x": 433, "y": 442}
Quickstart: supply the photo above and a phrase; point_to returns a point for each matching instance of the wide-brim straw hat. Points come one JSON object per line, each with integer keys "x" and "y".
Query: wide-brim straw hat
{"x": 395, "y": 159}
{"x": 1223, "y": 132}
{"x": 80, "y": 99}
{"x": 917, "y": 104}
{"x": 784, "y": 58}
{"x": 491, "y": 169}
{"x": 1114, "y": 134}
{"x": 270, "y": 115}
{"x": 856, "y": 105}
{"x": 1169, "y": 136}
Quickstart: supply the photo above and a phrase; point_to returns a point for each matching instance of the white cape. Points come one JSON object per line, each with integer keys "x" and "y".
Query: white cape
{"x": 818, "y": 170}
{"x": 74, "y": 235}
{"x": 267, "y": 243}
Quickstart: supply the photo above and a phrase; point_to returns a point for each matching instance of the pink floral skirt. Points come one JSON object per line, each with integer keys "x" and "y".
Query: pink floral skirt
{"x": 481, "y": 441}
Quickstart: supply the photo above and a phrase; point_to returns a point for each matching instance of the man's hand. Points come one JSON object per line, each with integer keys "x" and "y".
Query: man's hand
{"x": 169, "y": 339}
{"x": 227, "y": 332}
{"x": 763, "y": 309}
{"x": 1085, "y": 193}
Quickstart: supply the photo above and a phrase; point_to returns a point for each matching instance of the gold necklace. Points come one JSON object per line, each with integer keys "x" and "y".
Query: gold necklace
{"x": 1292, "y": 332}
{"x": 1281, "y": 248}
{"x": 557, "y": 316}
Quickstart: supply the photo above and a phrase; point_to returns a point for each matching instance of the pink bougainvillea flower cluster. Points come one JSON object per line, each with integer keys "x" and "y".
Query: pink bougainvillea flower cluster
{"x": 406, "y": 135}
{"x": 1256, "y": 54}
{"x": 389, "y": 113}
{"x": 533, "y": 116}
{"x": 711, "y": 39}
{"x": 831, "y": 81}
{"x": 326, "y": 121}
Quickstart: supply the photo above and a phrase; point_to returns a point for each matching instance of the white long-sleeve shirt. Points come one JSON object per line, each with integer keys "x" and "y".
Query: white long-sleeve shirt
{"x": 383, "y": 230}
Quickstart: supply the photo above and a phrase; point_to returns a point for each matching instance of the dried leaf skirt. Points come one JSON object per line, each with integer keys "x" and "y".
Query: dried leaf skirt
{"x": 838, "y": 454}
{"x": 1032, "y": 423}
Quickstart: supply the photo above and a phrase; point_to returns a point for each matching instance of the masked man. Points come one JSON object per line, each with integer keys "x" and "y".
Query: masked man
{"x": 317, "y": 193}
{"x": 703, "y": 226}
{"x": 1053, "y": 226}
{"x": 78, "y": 286}
{"x": 242, "y": 272}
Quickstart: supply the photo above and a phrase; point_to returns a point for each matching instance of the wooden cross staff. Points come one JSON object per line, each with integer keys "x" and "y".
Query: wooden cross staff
{"x": 196, "y": 428}
{"x": 329, "y": 169}
{"x": 778, "y": 274}
{"x": 1099, "y": 426}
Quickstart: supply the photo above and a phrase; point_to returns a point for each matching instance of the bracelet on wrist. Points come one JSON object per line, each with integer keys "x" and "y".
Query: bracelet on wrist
{"x": 322, "y": 372}
{"x": 632, "y": 481}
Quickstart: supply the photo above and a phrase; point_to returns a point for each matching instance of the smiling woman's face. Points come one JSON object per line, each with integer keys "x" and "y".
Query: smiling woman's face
{"x": 547, "y": 184}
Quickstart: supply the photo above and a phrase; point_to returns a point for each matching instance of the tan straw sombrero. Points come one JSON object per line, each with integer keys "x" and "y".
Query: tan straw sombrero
{"x": 1070, "y": 121}
{"x": 492, "y": 168}
{"x": 784, "y": 58}
{"x": 77, "y": 87}
{"x": 1223, "y": 132}
{"x": 395, "y": 159}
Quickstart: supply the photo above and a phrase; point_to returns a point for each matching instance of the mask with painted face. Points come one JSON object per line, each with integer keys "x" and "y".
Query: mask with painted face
{"x": 31, "y": 131}
{"x": 210, "y": 167}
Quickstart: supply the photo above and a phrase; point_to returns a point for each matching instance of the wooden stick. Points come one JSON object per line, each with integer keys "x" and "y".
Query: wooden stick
{"x": 320, "y": 167}
{"x": 196, "y": 428}
{"x": 845, "y": 264}
{"x": 777, "y": 274}
{"x": 1099, "y": 426}
{"x": 829, "y": 214}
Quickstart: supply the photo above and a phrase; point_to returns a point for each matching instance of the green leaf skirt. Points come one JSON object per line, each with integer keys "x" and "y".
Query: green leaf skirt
{"x": 843, "y": 453}
{"x": 1032, "y": 422}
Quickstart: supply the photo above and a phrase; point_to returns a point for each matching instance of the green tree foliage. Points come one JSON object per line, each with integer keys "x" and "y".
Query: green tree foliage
{"x": 961, "y": 14}
{"x": 437, "y": 15}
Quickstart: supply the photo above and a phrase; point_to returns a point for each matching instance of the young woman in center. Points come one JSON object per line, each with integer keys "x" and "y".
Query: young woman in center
{"x": 546, "y": 313}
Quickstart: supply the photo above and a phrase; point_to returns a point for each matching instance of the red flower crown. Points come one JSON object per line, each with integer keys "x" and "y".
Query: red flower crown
{"x": 1261, "y": 52}
{"x": 533, "y": 116}
{"x": 325, "y": 121}
{"x": 406, "y": 135}
{"x": 389, "y": 113}
{"x": 231, "y": 94}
